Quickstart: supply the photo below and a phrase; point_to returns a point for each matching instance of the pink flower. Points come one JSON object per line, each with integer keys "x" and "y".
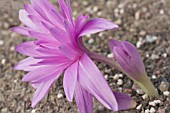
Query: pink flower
{"x": 58, "y": 48}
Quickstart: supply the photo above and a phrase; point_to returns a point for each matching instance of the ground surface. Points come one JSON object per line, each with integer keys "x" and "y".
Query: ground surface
{"x": 145, "y": 23}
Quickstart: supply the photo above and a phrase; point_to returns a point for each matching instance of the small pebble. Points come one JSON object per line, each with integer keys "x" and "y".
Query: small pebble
{"x": 119, "y": 81}
{"x": 33, "y": 111}
{"x": 145, "y": 96}
{"x": 139, "y": 91}
{"x": 116, "y": 77}
{"x": 85, "y": 3}
{"x": 151, "y": 39}
{"x": 3, "y": 61}
{"x": 95, "y": 9}
{"x": 164, "y": 86}
{"x": 120, "y": 75}
{"x": 154, "y": 56}
{"x": 137, "y": 15}
{"x": 59, "y": 95}
{"x": 139, "y": 107}
{"x": 147, "y": 111}
{"x": 154, "y": 77}
{"x": 166, "y": 93}
{"x": 157, "y": 101}
{"x": 164, "y": 55}
{"x": 152, "y": 103}
{"x": 152, "y": 110}
{"x": 161, "y": 11}
{"x": 1, "y": 42}
{"x": 110, "y": 55}
{"x": 91, "y": 40}
{"x": 106, "y": 77}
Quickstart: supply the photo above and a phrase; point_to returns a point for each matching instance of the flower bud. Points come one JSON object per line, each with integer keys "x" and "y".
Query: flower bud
{"x": 131, "y": 64}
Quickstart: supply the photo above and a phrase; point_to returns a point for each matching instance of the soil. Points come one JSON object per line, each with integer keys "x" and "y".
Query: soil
{"x": 145, "y": 23}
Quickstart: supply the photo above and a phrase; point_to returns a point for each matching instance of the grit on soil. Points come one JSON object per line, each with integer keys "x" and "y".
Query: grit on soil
{"x": 145, "y": 23}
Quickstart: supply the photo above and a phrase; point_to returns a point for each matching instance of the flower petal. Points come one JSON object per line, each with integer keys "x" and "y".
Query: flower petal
{"x": 124, "y": 101}
{"x": 92, "y": 80}
{"x": 21, "y": 30}
{"x": 26, "y": 64}
{"x": 83, "y": 99}
{"x": 97, "y": 25}
{"x": 42, "y": 90}
{"x": 41, "y": 73}
{"x": 70, "y": 79}
{"x": 28, "y": 48}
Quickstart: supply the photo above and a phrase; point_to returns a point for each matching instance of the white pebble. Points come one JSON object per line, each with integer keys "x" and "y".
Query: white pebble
{"x": 153, "y": 77}
{"x": 161, "y": 11}
{"x": 100, "y": 34}
{"x": 116, "y": 77}
{"x": 33, "y": 111}
{"x": 90, "y": 41}
{"x": 120, "y": 75}
{"x": 166, "y": 93}
{"x": 145, "y": 96}
{"x": 139, "y": 91}
{"x": 110, "y": 55}
{"x": 157, "y": 101}
{"x": 95, "y": 9}
{"x": 1, "y": 42}
{"x": 99, "y": 13}
{"x": 88, "y": 35}
{"x": 59, "y": 95}
{"x": 138, "y": 107}
{"x": 3, "y": 61}
{"x": 138, "y": 44}
{"x": 119, "y": 81}
{"x": 152, "y": 110}
{"x": 152, "y": 103}
{"x": 164, "y": 55}
{"x": 85, "y": 3}
{"x": 147, "y": 111}
{"x": 106, "y": 77}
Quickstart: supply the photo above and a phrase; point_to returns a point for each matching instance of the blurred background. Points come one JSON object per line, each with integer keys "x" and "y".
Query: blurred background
{"x": 145, "y": 23}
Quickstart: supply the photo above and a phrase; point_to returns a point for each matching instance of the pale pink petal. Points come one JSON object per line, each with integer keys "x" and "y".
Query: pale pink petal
{"x": 28, "y": 48}
{"x": 26, "y": 64}
{"x": 22, "y": 30}
{"x": 97, "y": 25}
{"x": 42, "y": 90}
{"x": 66, "y": 10}
{"x": 92, "y": 80}
{"x": 23, "y": 16}
{"x": 70, "y": 79}
{"x": 83, "y": 99}
{"x": 42, "y": 73}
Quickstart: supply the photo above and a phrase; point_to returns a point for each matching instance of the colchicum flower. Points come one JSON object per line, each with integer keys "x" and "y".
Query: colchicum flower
{"x": 57, "y": 48}
{"x": 131, "y": 64}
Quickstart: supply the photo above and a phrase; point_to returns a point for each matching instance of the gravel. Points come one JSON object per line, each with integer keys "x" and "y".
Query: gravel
{"x": 145, "y": 23}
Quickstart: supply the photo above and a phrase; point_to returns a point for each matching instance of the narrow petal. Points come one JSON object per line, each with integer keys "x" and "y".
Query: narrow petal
{"x": 92, "y": 80}
{"x": 28, "y": 48}
{"x": 70, "y": 79}
{"x": 124, "y": 101}
{"x": 22, "y": 30}
{"x": 66, "y": 10}
{"x": 42, "y": 90}
{"x": 114, "y": 43}
{"x": 97, "y": 25}
{"x": 41, "y": 73}
{"x": 23, "y": 16}
{"x": 83, "y": 99}
{"x": 80, "y": 21}
{"x": 60, "y": 35}
{"x": 26, "y": 64}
